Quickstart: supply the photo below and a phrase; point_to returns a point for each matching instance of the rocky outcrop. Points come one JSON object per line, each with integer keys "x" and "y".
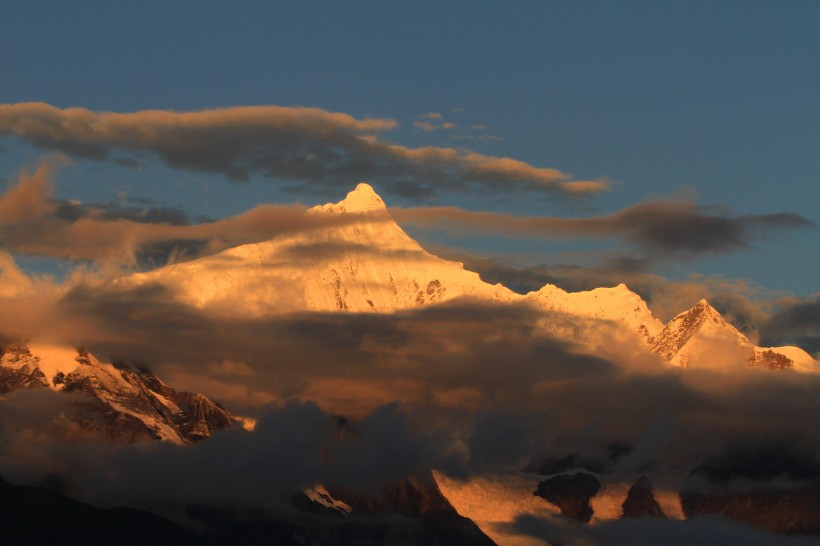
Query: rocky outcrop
{"x": 571, "y": 493}
{"x": 766, "y": 358}
{"x": 640, "y": 501}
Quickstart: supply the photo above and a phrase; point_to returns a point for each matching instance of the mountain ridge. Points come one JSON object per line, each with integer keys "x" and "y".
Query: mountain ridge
{"x": 120, "y": 403}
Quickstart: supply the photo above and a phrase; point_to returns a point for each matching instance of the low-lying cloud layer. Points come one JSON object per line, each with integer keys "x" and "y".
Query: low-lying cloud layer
{"x": 314, "y": 148}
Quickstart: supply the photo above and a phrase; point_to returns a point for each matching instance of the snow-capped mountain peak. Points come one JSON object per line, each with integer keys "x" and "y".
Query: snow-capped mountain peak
{"x": 701, "y": 337}
{"x": 367, "y": 265}
{"x": 698, "y": 332}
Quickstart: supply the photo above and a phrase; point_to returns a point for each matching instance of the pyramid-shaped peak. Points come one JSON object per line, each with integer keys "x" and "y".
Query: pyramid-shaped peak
{"x": 697, "y": 315}
{"x": 703, "y": 306}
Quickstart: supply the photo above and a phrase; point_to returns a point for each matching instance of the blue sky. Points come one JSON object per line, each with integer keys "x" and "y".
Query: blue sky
{"x": 717, "y": 102}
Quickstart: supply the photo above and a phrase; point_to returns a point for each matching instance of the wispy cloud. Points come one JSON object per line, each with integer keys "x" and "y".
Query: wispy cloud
{"x": 308, "y": 146}
{"x": 430, "y": 126}
{"x": 433, "y": 121}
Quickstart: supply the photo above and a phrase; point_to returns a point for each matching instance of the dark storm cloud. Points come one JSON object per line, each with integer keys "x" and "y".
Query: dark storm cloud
{"x": 679, "y": 229}
{"x": 312, "y": 147}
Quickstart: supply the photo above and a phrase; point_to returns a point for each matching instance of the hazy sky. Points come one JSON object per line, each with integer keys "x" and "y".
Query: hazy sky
{"x": 712, "y": 105}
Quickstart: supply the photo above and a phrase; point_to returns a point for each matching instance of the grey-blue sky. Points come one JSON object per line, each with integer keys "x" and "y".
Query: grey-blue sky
{"x": 716, "y": 98}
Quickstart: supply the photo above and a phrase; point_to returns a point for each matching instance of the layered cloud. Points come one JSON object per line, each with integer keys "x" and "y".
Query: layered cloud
{"x": 673, "y": 228}
{"x": 33, "y": 221}
{"x": 308, "y": 146}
